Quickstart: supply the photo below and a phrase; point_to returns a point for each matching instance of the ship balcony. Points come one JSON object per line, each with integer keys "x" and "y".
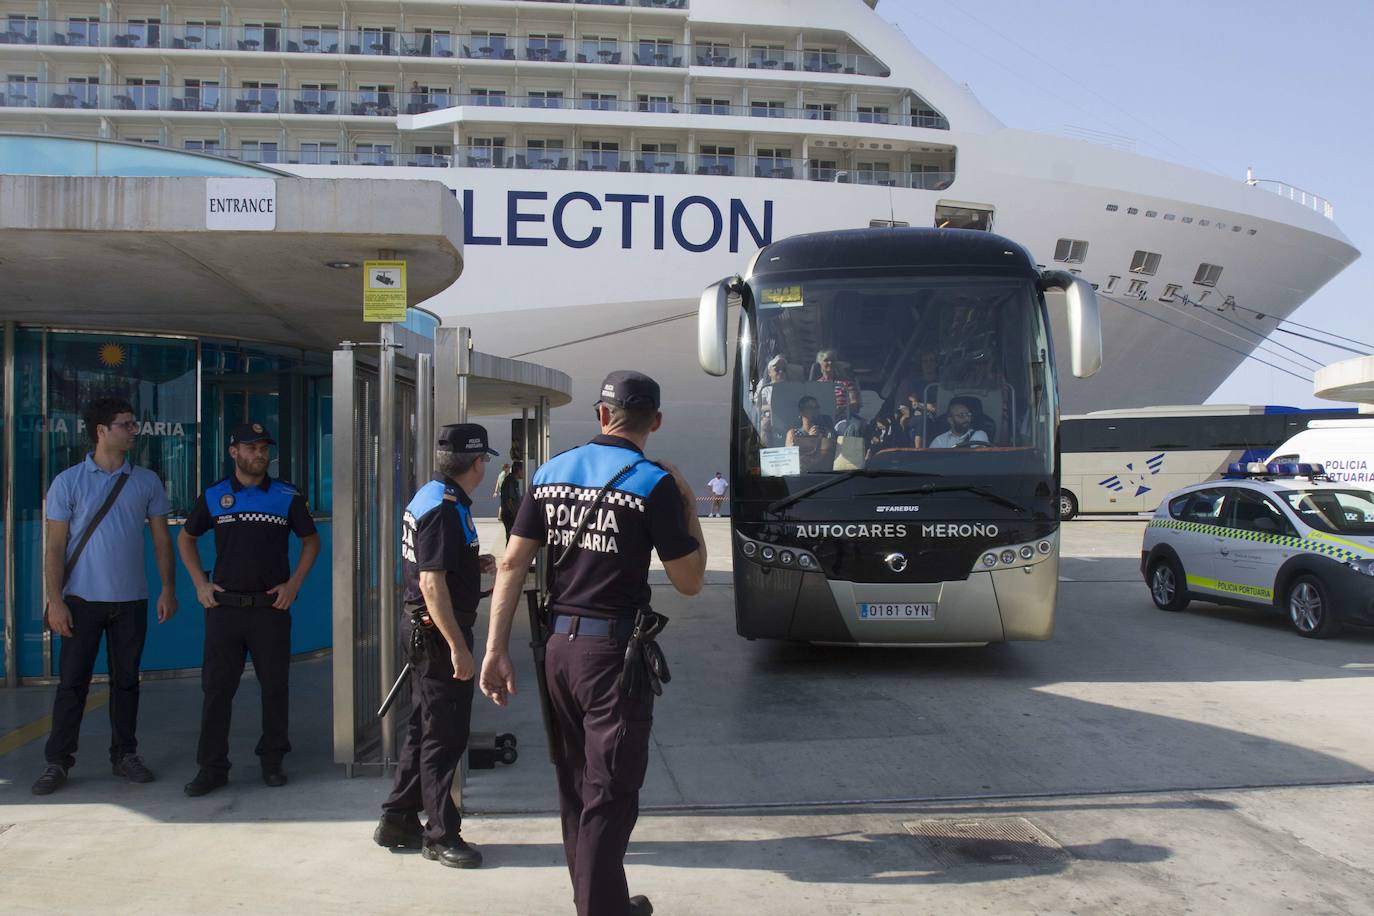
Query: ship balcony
{"x": 431, "y": 43}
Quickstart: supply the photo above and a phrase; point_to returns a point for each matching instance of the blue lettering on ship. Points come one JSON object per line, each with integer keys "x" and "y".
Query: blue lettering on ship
{"x": 527, "y": 213}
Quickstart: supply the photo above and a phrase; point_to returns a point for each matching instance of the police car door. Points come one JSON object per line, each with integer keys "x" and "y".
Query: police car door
{"x": 1260, "y": 538}
{"x": 1197, "y": 539}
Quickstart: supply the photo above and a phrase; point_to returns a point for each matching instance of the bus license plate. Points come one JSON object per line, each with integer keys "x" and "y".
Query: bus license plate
{"x": 897, "y": 612}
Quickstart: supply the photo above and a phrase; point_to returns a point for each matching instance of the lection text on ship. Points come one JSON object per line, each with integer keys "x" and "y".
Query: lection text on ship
{"x": 694, "y": 223}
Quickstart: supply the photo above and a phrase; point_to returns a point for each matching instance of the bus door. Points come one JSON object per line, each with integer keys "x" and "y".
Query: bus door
{"x": 1249, "y": 560}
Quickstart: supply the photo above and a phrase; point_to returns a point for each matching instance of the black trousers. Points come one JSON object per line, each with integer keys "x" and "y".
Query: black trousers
{"x": 124, "y": 624}
{"x": 601, "y": 765}
{"x": 232, "y": 633}
{"x": 434, "y": 736}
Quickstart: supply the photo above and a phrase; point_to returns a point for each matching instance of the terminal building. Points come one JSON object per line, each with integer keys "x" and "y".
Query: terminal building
{"x": 210, "y": 293}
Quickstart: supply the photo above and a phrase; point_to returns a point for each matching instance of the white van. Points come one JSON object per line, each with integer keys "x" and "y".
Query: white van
{"x": 1345, "y": 447}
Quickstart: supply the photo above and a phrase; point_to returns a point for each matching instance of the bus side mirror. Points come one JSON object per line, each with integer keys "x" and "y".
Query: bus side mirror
{"x": 1085, "y": 321}
{"x": 711, "y": 338}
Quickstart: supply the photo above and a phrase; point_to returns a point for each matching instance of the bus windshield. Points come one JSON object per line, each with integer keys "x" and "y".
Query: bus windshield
{"x": 1334, "y": 511}
{"x": 932, "y": 376}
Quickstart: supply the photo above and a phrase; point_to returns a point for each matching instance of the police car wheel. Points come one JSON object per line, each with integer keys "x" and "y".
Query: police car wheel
{"x": 1168, "y": 587}
{"x": 1310, "y": 610}
{"x": 1068, "y": 505}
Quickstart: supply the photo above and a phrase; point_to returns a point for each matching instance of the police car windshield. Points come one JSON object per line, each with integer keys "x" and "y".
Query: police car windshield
{"x": 1334, "y": 511}
{"x": 937, "y": 376}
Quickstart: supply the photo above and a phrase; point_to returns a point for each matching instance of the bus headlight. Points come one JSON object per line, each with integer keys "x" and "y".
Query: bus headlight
{"x": 1014, "y": 556}
{"x": 786, "y": 557}
{"x": 750, "y": 549}
{"x": 805, "y": 562}
{"x": 783, "y": 557}
{"x": 767, "y": 554}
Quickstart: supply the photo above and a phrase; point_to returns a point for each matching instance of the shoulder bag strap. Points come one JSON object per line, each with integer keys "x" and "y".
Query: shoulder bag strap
{"x": 591, "y": 510}
{"x": 95, "y": 523}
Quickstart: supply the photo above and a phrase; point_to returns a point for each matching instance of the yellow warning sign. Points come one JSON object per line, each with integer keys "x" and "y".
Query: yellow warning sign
{"x": 384, "y": 291}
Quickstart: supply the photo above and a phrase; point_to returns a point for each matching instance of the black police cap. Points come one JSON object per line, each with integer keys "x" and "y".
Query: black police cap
{"x": 250, "y": 432}
{"x": 464, "y": 438}
{"x": 630, "y": 389}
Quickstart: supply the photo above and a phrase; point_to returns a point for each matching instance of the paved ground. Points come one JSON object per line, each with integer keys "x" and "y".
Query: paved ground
{"x": 1209, "y": 761}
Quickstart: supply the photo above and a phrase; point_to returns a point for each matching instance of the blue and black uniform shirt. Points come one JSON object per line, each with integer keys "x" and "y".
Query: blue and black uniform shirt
{"x": 253, "y": 527}
{"x": 608, "y": 572}
{"x": 438, "y": 535}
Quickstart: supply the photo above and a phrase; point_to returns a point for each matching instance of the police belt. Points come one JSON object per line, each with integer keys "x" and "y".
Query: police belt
{"x": 421, "y": 612}
{"x": 244, "y": 599}
{"x": 576, "y": 625}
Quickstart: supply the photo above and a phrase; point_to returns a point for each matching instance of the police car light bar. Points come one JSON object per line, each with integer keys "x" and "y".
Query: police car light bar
{"x": 1285, "y": 469}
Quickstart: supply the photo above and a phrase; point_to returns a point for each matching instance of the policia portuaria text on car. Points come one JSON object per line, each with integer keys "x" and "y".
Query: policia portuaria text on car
{"x": 247, "y": 600}
{"x": 442, "y": 565}
{"x": 601, "y": 508}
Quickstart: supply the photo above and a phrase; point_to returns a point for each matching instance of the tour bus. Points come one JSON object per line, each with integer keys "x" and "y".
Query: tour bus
{"x": 1127, "y": 460}
{"x": 893, "y": 455}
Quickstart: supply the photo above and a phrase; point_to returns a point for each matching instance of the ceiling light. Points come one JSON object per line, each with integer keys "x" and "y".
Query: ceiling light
{"x": 341, "y": 265}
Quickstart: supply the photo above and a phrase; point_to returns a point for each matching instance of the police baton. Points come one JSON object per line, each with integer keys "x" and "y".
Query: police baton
{"x": 539, "y": 637}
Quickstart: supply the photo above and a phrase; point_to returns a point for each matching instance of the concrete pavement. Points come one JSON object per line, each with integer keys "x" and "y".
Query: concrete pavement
{"x": 1139, "y": 762}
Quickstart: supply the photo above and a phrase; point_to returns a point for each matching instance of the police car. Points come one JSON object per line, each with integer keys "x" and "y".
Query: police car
{"x": 1277, "y": 535}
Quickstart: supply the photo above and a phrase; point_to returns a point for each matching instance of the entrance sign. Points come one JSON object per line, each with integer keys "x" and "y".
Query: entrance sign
{"x": 241, "y": 204}
{"x": 384, "y": 291}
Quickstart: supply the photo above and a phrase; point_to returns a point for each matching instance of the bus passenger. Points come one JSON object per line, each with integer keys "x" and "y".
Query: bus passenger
{"x": 813, "y": 437}
{"x": 846, "y": 391}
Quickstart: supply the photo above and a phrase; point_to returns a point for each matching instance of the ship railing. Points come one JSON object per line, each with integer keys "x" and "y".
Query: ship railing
{"x": 1297, "y": 195}
{"x": 380, "y": 41}
{"x": 326, "y": 154}
{"x": 648, "y": 4}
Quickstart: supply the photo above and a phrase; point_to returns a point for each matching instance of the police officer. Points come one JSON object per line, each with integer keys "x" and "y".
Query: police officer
{"x": 247, "y": 600}
{"x": 442, "y": 567}
{"x": 602, "y": 745}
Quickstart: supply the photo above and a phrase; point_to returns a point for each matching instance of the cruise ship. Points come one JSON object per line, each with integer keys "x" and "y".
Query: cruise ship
{"x": 613, "y": 157}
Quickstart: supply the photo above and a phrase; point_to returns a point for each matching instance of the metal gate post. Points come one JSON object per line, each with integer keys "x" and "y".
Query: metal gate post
{"x": 387, "y": 523}
{"x": 345, "y": 520}
{"x": 11, "y": 612}
{"x": 424, "y": 419}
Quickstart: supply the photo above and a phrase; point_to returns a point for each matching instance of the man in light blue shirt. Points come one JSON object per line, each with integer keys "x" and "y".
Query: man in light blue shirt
{"x": 106, "y": 591}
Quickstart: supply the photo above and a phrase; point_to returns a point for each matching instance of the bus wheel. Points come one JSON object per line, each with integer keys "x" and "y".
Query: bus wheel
{"x": 1168, "y": 587}
{"x": 1310, "y": 610}
{"x": 1068, "y": 505}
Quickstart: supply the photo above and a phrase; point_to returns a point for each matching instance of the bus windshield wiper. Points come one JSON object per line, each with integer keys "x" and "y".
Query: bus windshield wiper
{"x": 786, "y": 501}
{"x": 954, "y": 488}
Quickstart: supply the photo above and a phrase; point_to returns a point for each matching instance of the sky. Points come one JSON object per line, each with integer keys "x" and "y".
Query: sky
{"x": 1219, "y": 85}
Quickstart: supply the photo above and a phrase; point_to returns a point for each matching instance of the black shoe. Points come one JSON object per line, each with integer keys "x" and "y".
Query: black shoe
{"x": 399, "y": 832}
{"x": 454, "y": 854}
{"x": 273, "y": 776}
{"x": 640, "y": 906}
{"x": 206, "y": 781}
{"x": 132, "y": 768}
{"x": 52, "y": 779}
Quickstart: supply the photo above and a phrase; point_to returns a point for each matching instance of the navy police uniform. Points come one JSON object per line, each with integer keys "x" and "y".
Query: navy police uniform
{"x": 437, "y": 535}
{"x": 593, "y": 597}
{"x": 252, "y": 527}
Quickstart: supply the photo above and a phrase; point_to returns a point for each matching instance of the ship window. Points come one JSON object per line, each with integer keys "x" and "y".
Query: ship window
{"x": 1204, "y": 222}
{"x": 599, "y": 156}
{"x": 820, "y": 111}
{"x": 1170, "y": 292}
{"x": 822, "y": 169}
{"x": 373, "y": 154}
{"x": 1252, "y": 232}
{"x": 1221, "y": 225}
{"x": 715, "y": 160}
{"x": 201, "y": 146}
{"x": 1151, "y": 214}
{"x": 259, "y": 151}
{"x": 1207, "y": 274}
{"x": 1111, "y": 282}
{"x": 320, "y": 153}
{"x": 598, "y": 101}
{"x": 545, "y": 98}
{"x": 1132, "y": 211}
{"x": 1112, "y": 208}
{"x": 1138, "y": 288}
{"x": 1169, "y": 217}
{"x": 713, "y": 106}
{"x": 656, "y": 103}
{"x": 1187, "y": 220}
{"x": 1235, "y": 228}
{"x": 765, "y": 55}
{"x": 948, "y": 216}
{"x": 1145, "y": 262}
{"x": 873, "y": 172}
{"x": 204, "y": 34}
{"x": 874, "y": 114}
{"x": 760, "y": 108}
{"x": 715, "y": 54}
{"x": 1071, "y": 251}
{"x": 887, "y": 224}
